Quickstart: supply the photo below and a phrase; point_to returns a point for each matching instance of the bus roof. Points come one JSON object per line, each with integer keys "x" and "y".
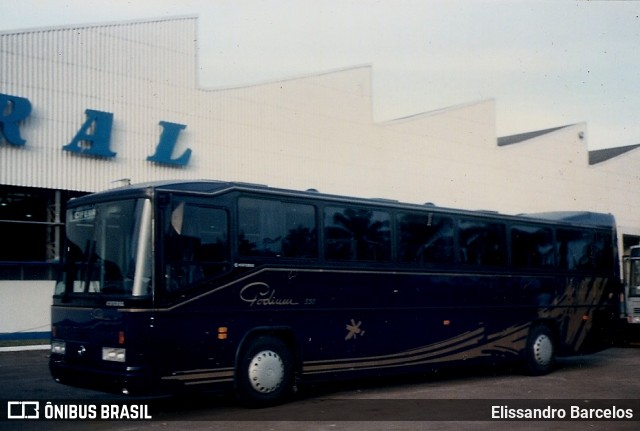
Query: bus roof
{"x": 578, "y": 217}
{"x": 586, "y": 218}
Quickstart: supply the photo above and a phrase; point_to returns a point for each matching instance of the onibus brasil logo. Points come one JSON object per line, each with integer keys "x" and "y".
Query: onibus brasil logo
{"x": 72, "y": 411}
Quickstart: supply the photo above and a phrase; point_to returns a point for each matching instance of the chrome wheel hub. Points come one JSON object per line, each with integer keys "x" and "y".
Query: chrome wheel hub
{"x": 543, "y": 350}
{"x": 266, "y": 372}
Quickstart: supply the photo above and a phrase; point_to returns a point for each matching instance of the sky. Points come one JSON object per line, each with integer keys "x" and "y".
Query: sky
{"x": 545, "y": 63}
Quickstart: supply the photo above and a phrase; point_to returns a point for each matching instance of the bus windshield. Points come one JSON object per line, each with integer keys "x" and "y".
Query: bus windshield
{"x": 634, "y": 278}
{"x": 108, "y": 249}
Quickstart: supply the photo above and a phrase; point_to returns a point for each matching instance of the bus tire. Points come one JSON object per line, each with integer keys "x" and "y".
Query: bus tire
{"x": 539, "y": 354}
{"x": 265, "y": 372}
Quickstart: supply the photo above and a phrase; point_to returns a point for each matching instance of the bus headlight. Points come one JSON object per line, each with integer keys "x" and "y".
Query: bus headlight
{"x": 114, "y": 354}
{"x": 58, "y": 347}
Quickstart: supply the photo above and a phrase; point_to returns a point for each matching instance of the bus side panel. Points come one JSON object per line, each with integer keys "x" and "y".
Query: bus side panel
{"x": 345, "y": 321}
{"x": 583, "y": 311}
{"x": 190, "y": 350}
{"x": 341, "y": 323}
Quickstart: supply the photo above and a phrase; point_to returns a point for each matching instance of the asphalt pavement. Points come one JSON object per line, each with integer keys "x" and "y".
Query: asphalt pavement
{"x": 461, "y": 398}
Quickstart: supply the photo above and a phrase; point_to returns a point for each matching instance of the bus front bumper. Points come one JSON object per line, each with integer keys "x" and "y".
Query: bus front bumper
{"x": 128, "y": 381}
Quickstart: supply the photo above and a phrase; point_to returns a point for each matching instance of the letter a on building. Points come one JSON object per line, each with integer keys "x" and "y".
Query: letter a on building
{"x": 94, "y": 136}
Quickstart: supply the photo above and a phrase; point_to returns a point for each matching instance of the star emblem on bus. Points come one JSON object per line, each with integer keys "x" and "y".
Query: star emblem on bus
{"x": 354, "y": 330}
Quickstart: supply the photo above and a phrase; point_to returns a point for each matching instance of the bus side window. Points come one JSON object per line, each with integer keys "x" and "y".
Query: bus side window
{"x": 425, "y": 239}
{"x": 532, "y": 247}
{"x": 270, "y": 228}
{"x": 603, "y": 253}
{"x": 575, "y": 249}
{"x": 482, "y": 243}
{"x": 300, "y": 238}
{"x": 260, "y": 232}
{"x": 357, "y": 234}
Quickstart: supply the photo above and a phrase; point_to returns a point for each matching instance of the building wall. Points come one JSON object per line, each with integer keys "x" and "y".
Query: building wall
{"x": 314, "y": 131}
{"x": 142, "y": 73}
{"x": 25, "y": 308}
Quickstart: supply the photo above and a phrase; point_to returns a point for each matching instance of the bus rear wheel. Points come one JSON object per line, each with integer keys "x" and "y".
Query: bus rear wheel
{"x": 539, "y": 354}
{"x": 265, "y": 372}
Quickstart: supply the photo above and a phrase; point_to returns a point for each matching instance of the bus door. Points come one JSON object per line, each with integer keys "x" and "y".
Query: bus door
{"x": 193, "y": 243}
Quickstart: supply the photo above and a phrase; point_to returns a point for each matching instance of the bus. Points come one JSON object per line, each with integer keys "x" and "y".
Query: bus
{"x": 180, "y": 285}
{"x": 631, "y": 297}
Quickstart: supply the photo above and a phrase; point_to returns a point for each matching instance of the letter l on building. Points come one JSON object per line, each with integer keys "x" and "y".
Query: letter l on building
{"x": 168, "y": 140}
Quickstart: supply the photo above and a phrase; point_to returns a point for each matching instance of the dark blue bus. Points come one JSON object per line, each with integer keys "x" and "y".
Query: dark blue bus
{"x": 205, "y": 284}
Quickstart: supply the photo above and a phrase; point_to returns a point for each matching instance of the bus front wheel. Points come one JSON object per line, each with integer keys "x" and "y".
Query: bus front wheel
{"x": 265, "y": 372}
{"x": 539, "y": 354}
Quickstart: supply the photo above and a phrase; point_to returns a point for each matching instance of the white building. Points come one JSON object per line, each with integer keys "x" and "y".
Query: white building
{"x": 82, "y": 107}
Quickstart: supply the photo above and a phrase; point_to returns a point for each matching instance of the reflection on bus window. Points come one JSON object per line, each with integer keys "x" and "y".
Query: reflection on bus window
{"x": 425, "y": 238}
{"x": 575, "y": 249}
{"x": 276, "y": 229}
{"x": 532, "y": 247}
{"x": 357, "y": 234}
{"x": 482, "y": 243}
{"x": 102, "y": 249}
